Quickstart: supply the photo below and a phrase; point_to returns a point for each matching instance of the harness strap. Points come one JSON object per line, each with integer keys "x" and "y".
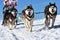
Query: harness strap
{"x": 28, "y": 18}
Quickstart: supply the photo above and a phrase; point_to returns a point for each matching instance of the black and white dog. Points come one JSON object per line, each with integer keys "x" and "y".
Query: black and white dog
{"x": 9, "y": 18}
{"x": 50, "y": 13}
{"x": 27, "y": 17}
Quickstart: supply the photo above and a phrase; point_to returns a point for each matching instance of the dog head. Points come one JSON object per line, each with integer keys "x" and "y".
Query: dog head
{"x": 14, "y": 12}
{"x": 52, "y": 8}
{"x": 29, "y": 10}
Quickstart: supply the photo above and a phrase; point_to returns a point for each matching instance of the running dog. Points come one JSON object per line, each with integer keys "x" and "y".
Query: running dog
{"x": 27, "y": 17}
{"x": 9, "y": 19}
{"x": 50, "y": 13}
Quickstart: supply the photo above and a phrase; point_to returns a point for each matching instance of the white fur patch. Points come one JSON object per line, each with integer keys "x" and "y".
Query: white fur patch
{"x": 10, "y": 20}
{"x": 13, "y": 13}
{"x": 27, "y": 23}
{"x": 48, "y": 16}
{"x": 29, "y": 10}
{"x": 54, "y": 9}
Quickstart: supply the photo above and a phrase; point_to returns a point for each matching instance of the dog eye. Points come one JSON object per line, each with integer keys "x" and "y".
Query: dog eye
{"x": 26, "y": 11}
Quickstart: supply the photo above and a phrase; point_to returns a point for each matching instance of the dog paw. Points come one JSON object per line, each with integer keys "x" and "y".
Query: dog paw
{"x": 30, "y": 29}
{"x": 10, "y": 29}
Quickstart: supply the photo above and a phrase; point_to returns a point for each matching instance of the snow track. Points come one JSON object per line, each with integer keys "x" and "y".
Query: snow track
{"x": 20, "y": 34}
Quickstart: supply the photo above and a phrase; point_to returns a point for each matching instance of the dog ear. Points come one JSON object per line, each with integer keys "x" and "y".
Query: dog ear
{"x": 31, "y": 5}
{"x": 54, "y": 3}
{"x": 50, "y": 3}
{"x": 23, "y": 12}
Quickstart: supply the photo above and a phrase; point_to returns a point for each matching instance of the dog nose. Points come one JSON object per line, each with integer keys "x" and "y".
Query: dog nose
{"x": 29, "y": 13}
{"x": 52, "y": 10}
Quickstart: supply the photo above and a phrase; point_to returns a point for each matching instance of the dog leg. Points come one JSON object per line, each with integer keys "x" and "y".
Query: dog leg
{"x": 3, "y": 19}
{"x": 27, "y": 25}
{"x": 31, "y": 28}
{"x": 15, "y": 23}
{"x": 9, "y": 25}
{"x": 24, "y": 20}
{"x": 3, "y": 22}
{"x": 53, "y": 20}
{"x": 31, "y": 22}
{"x": 31, "y": 25}
{"x": 46, "y": 23}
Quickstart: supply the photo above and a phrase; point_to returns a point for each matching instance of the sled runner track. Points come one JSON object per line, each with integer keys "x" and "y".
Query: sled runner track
{"x": 15, "y": 36}
{"x": 39, "y": 29}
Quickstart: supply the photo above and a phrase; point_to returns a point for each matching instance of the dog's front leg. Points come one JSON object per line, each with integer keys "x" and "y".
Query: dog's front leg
{"x": 46, "y": 23}
{"x": 26, "y": 25}
{"x": 14, "y": 25}
{"x": 9, "y": 25}
{"x": 30, "y": 25}
{"x": 53, "y": 20}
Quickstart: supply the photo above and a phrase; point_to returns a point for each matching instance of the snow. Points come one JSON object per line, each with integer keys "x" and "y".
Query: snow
{"x": 20, "y": 34}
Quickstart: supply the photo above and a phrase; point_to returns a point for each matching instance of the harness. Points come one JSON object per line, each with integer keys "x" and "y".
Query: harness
{"x": 51, "y": 15}
{"x": 29, "y": 17}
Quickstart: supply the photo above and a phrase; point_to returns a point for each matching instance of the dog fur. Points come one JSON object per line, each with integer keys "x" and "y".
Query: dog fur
{"x": 50, "y": 13}
{"x": 9, "y": 19}
{"x": 28, "y": 17}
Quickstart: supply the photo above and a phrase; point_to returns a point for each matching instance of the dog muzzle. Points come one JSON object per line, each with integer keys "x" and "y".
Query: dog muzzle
{"x": 29, "y": 14}
{"x": 52, "y": 10}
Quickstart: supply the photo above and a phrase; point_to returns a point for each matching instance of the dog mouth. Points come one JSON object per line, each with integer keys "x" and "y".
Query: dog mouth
{"x": 29, "y": 14}
{"x": 52, "y": 10}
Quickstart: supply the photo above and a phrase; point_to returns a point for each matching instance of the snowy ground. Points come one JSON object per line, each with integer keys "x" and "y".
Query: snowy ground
{"x": 20, "y": 34}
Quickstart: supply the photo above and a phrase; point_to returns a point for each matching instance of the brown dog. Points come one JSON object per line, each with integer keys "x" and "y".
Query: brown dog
{"x": 27, "y": 17}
